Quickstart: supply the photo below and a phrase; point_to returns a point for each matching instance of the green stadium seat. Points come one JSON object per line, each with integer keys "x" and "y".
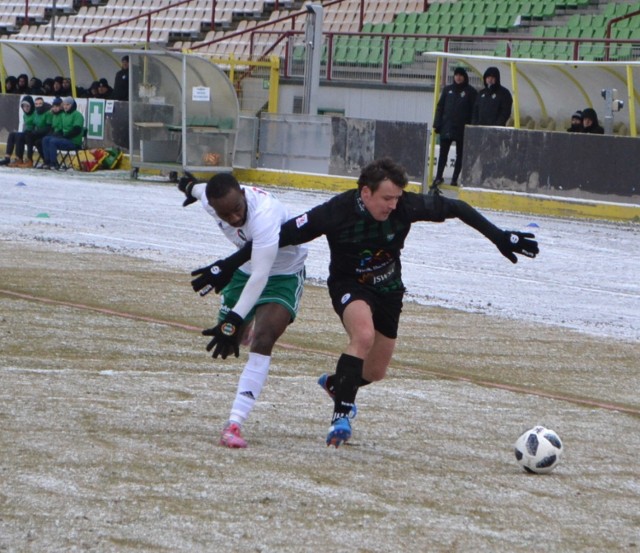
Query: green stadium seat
{"x": 339, "y": 54}
{"x": 373, "y": 56}
{"x": 427, "y": 17}
{"x": 479, "y": 30}
{"x": 563, "y": 51}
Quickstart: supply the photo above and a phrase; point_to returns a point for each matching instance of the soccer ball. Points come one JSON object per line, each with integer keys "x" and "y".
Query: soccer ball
{"x": 538, "y": 450}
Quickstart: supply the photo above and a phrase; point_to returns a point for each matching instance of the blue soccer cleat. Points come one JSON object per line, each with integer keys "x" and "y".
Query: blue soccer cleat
{"x": 322, "y": 382}
{"x": 339, "y": 432}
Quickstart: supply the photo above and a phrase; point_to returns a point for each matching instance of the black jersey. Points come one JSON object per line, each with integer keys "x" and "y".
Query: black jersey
{"x": 367, "y": 250}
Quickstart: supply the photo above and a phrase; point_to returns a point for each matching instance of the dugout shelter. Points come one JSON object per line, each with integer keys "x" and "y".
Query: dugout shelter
{"x": 183, "y": 113}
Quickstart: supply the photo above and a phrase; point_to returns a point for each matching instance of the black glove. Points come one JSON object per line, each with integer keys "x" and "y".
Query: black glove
{"x": 225, "y": 336}
{"x": 212, "y": 277}
{"x": 217, "y": 275}
{"x": 185, "y": 184}
{"x": 511, "y": 242}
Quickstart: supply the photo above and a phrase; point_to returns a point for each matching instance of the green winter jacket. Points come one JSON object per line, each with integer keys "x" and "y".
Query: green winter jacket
{"x": 72, "y": 125}
{"x": 28, "y": 119}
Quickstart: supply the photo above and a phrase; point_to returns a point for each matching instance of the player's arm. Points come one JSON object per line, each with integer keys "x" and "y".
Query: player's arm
{"x": 298, "y": 230}
{"x": 438, "y": 208}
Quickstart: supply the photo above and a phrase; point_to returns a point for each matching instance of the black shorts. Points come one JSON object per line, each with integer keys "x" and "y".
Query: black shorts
{"x": 386, "y": 307}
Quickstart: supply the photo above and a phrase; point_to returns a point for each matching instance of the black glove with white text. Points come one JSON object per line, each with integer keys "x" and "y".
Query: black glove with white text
{"x": 226, "y": 336}
{"x": 511, "y": 242}
{"x": 185, "y": 185}
{"x": 217, "y": 275}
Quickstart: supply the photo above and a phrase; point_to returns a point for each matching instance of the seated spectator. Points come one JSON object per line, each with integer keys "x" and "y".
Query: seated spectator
{"x": 47, "y": 87}
{"x": 17, "y": 138}
{"x": 10, "y": 84}
{"x": 576, "y": 122}
{"x": 53, "y": 118}
{"x": 41, "y": 128}
{"x": 590, "y": 122}
{"x": 68, "y": 137}
{"x": 23, "y": 84}
{"x": 93, "y": 90}
{"x": 57, "y": 86}
{"x": 121, "y": 81}
{"x": 35, "y": 86}
{"x": 104, "y": 90}
{"x": 66, "y": 89}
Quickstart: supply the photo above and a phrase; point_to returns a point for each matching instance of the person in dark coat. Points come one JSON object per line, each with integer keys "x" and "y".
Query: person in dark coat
{"x": 494, "y": 102}
{"x": 23, "y": 84}
{"x": 121, "y": 81}
{"x": 590, "y": 122}
{"x": 35, "y": 86}
{"x": 47, "y": 86}
{"x": 576, "y": 122}
{"x": 10, "y": 85}
{"x": 104, "y": 89}
{"x": 453, "y": 113}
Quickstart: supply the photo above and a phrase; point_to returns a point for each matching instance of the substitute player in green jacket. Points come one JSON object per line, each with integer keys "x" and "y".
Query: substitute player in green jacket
{"x": 67, "y": 137}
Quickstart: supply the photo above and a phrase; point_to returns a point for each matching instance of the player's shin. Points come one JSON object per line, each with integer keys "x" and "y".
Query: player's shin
{"x": 346, "y": 382}
{"x": 250, "y": 384}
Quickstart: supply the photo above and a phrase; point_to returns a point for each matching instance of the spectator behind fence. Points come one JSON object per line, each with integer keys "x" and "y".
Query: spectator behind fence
{"x": 121, "y": 81}
{"x": 104, "y": 89}
{"x": 453, "y": 113}
{"x": 576, "y": 122}
{"x": 16, "y": 139}
{"x": 41, "y": 128}
{"x": 68, "y": 137}
{"x": 494, "y": 101}
{"x": 590, "y": 122}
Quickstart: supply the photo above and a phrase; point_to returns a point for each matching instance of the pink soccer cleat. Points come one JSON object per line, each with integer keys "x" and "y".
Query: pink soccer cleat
{"x": 231, "y": 436}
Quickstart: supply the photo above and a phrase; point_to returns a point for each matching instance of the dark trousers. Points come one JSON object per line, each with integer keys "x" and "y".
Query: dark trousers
{"x": 15, "y": 140}
{"x": 33, "y": 140}
{"x": 445, "y": 146}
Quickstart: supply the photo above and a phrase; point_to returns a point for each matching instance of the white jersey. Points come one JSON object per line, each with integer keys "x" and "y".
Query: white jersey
{"x": 265, "y": 214}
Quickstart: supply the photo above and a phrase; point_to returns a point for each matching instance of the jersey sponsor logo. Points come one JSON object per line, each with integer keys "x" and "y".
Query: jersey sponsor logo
{"x": 302, "y": 220}
{"x": 345, "y": 299}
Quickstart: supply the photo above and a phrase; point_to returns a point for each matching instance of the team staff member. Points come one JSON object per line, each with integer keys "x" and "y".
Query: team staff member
{"x": 366, "y": 229}
{"x": 494, "y": 102}
{"x": 267, "y": 289}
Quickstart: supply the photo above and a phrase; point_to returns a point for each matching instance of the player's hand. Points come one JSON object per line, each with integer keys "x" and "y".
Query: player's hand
{"x": 185, "y": 185}
{"x": 212, "y": 277}
{"x": 512, "y": 242}
{"x": 225, "y": 336}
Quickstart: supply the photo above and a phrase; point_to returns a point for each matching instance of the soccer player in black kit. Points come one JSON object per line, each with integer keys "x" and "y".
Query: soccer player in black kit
{"x": 366, "y": 228}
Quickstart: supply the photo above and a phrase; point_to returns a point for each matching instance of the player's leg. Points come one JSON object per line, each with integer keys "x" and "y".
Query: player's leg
{"x": 275, "y": 310}
{"x": 271, "y": 321}
{"x": 376, "y": 363}
{"x": 357, "y": 319}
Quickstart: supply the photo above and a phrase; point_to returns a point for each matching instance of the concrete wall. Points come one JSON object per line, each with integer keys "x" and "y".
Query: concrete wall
{"x": 600, "y": 167}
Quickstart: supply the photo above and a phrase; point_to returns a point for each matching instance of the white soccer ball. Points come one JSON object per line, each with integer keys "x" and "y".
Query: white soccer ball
{"x": 539, "y": 450}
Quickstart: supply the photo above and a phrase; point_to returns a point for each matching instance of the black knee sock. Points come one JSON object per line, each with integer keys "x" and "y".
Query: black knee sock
{"x": 346, "y": 381}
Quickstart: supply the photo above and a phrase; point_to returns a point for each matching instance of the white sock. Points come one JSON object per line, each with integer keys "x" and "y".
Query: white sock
{"x": 252, "y": 379}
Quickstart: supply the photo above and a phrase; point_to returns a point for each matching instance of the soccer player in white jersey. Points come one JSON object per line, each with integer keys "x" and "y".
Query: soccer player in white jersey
{"x": 265, "y": 290}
